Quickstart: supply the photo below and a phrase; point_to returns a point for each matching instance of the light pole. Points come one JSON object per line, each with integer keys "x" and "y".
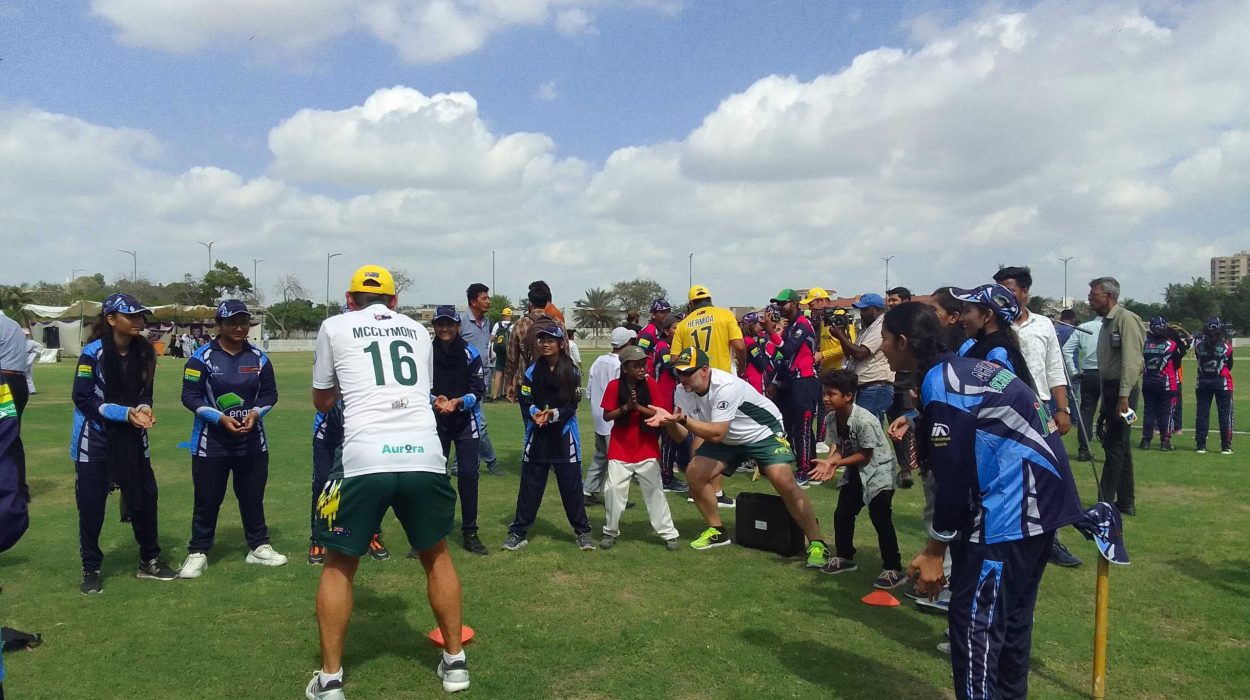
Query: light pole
{"x": 329, "y": 257}
{"x": 690, "y": 272}
{"x": 208, "y": 245}
{"x": 255, "y": 279}
{"x": 887, "y": 260}
{"x": 1065, "y": 279}
{"x": 135, "y": 260}
{"x": 492, "y": 271}
{"x": 73, "y": 274}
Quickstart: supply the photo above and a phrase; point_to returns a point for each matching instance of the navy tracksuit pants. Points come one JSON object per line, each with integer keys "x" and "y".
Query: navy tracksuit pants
{"x": 210, "y": 475}
{"x": 91, "y": 489}
{"x": 797, "y": 401}
{"x": 530, "y": 495}
{"x": 1224, "y": 408}
{"x": 993, "y": 592}
{"x": 468, "y": 449}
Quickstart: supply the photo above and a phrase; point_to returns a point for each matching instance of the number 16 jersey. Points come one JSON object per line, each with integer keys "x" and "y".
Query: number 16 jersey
{"x": 383, "y": 363}
{"x": 711, "y": 329}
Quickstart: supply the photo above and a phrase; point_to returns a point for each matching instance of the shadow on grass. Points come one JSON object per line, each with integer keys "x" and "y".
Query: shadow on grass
{"x": 841, "y": 671}
{"x": 380, "y": 627}
{"x": 1231, "y": 577}
{"x": 902, "y": 624}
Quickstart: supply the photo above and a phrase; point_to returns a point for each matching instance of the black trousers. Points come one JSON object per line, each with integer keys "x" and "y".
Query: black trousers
{"x": 209, "y": 475}
{"x": 1116, "y": 485}
{"x": 21, "y": 396}
{"x": 1158, "y": 412}
{"x": 530, "y": 495}
{"x": 91, "y": 489}
{"x": 468, "y": 447}
{"x": 1091, "y": 391}
{"x": 1202, "y": 417}
{"x": 797, "y": 401}
{"x": 880, "y": 512}
{"x": 993, "y": 592}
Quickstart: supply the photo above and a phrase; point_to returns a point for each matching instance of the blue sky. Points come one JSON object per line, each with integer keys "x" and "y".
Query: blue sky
{"x": 786, "y": 144}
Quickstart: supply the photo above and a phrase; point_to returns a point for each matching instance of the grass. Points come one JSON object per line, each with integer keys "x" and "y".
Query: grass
{"x": 635, "y": 622}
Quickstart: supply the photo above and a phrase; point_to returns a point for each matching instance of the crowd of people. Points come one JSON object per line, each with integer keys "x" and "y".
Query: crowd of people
{"x": 968, "y": 392}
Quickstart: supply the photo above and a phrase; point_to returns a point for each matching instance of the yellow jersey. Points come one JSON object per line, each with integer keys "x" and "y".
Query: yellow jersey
{"x": 834, "y": 356}
{"x": 711, "y": 329}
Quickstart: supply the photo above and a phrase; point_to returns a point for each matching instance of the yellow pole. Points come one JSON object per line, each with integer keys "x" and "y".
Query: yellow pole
{"x": 1100, "y": 629}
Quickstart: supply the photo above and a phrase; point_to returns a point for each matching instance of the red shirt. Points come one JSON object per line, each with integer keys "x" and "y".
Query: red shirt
{"x": 631, "y": 440}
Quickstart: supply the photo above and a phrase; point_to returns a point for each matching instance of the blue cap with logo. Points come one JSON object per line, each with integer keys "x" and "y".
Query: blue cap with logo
{"x": 1102, "y": 524}
{"x": 869, "y": 301}
{"x": 998, "y": 298}
{"x": 448, "y": 312}
{"x": 232, "y": 307}
{"x": 124, "y": 304}
{"x": 661, "y": 305}
{"x": 1158, "y": 323}
{"x": 1215, "y": 323}
{"x": 551, "y": 331}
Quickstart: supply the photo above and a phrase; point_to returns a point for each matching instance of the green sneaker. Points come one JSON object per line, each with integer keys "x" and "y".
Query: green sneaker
{"x": 817, "y": 555}
{"x": 710, "y": 538}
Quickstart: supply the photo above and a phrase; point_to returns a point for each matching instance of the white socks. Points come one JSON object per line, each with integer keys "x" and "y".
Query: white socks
{"x": 452, "y": 658}
{"x": 325, "y": 678}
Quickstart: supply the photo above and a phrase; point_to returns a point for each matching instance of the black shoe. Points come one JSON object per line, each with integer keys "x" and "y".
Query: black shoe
{"x": 91, "y": 583}
{"x": 493, "y": 469}
{"x": 1166, "y": 447}
{"x": 473, "y": 544}
{"x": 1127, "y": 510}
{"x": 1060, "y": 556}
{"x": 156, "y": 570}
{"x": 592, "y": 499}
{"x": 1084, "y": 456}
{"x": 676, "y": 486}
{"x": 904, "y": 479}
{"x": 1143, "y": 445}
{"x": 629, "y": 504}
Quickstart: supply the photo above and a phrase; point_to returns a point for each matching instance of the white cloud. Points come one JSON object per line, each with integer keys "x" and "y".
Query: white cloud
{"x": 575, "y": 22}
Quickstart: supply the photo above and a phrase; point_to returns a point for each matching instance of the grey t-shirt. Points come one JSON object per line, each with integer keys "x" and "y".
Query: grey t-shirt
{"x": 863, "y": 432}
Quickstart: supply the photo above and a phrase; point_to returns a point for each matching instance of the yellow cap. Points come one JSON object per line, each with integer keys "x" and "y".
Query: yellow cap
{"x": 373, "y": 279}
{"x": 507, "y": 311}
{"x": 813, "y": 294}
{"x": 698, "y": 292}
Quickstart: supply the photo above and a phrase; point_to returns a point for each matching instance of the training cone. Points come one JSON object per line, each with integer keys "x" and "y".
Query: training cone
{"x": 880, "y": 598}
{"x": 466, "y": 634}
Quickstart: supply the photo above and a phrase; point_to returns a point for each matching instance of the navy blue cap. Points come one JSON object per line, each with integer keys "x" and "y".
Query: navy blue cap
{"x": 232, "y": 307}
{"x": 751, "y": 317}
{"x": 552, "y": 331}
{"x": 1215, "y": 323}
{"x": 869, "y": 301}
{"x": 446, "y": 311}
{"x": 1102, "y": 524}
{"x": 1158, "y": 322}
{"x": 996, "y": 297}
{"x": 661, "y": 305}
{"x": 124, "y": 304}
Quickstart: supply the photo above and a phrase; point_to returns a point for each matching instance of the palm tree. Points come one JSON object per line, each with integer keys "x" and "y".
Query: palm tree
{"x": 12, "y": 298}
{"x": 596, "y": 311}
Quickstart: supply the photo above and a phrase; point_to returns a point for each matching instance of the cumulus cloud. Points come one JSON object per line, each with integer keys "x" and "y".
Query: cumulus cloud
{"x": 1105, "y": 132}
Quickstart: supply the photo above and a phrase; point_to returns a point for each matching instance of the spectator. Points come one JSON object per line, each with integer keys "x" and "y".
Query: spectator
{"x": 13, "y": 359}
{"x": 1161, "y": 357}
{"x": 794, "y": 386}
{"x": 575, "y": 352}
{"x": 1120, "y": 346}
{"x": 987, "y": 318}
{"x": 631, "y": 321}
{"x": 650, "y": 334}
{"x": 603, "y": 370}
{"x": 475, "y": 330}
{"x": 1081, "y": 354}
{"x": 672, "y": 454}
{"x": 896, "y": 296}
{"x": 875, "y": 390}
{"x": 904, "y": 388}
{"x": 523, "y": 339}
{"x": 550, "y": 308}
{"x": 1065, "y": 326}
{"x": 1214, "y": 352}
{"x": 32, "y": 358}
{"x": 499, "y": 353}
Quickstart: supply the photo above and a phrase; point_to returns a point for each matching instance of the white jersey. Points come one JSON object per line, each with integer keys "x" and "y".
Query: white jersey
{"x": 752, "y": 417}
{"x": 383, "y": 364}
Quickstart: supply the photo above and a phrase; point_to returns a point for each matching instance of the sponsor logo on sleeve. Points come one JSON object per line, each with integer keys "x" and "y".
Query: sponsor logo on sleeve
{"x": 191, "y": 375}
{"x": 84, "y": 370}
{"x": 722, "y": 405}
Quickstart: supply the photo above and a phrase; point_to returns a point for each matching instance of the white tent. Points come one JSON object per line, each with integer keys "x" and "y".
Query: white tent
{"x": 71, "y": 323}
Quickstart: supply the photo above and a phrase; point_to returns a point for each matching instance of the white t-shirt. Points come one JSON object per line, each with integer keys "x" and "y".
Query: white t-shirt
{"x": 751, "y": 416}
{"x": 383, "y": 364}
{"x": 876, "y": 368}
{"x": 604, "y": 369}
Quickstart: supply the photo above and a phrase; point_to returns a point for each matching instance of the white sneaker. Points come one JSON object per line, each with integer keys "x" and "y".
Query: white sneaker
{"x": 265, "y": 556}
{"x": 331, "y": 691}
{"x": 822, "y": 448}
{"x": 193, "y": 566}
{"x": 455, "y": 676}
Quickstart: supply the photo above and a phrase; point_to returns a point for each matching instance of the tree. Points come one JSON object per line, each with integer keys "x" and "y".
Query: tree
{"x": 295, "y": 315}
{"x": 403, "y": 280}
{"x": 289, "y": 288}
{"x": 12, "y": 298}
{"x": 1237, "y": 307}
{"x": 222, "y": 282}
{"x": 597, "y": 310}
{"x": 637, "y": 294}
{"x": 1191, "y": 304}
{"x": 498, "y": 303}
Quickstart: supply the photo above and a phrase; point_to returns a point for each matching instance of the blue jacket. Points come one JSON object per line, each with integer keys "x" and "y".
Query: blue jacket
{"x": 559, "y": 440}
{"x": 87, "y": 440}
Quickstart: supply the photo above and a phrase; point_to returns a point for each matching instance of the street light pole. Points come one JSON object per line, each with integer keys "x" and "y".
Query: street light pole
{"x": 73, "y": 274}
{"x": 1065, "y": 279}
{"x": 208, "y": 245}
{"x": 887, "y": 260}
{"x": 492, "y": 271}
{"x": 329, "y": 257}
{"x": 690, "y": 272}
{"x": 255, "y": 279}
{"x": 135, "y": 260}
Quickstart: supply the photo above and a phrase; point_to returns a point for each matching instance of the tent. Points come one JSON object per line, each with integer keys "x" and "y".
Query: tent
{"x": 66, "y": 327}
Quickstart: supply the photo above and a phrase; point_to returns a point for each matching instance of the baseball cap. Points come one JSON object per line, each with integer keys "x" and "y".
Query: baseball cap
{"x": 661, "y": 305}
{"x": 813, "y": 294}
{"x": 632, "y": 353}
{"x": 124, "y": 304}
{"x": 1215, "y": 323}
{"x": 691, "y": 359}
{"x": 374, "y": 279}
{"x": 621, "y": 336}
{"x": 232, "y": 307}
{"x": 1158, "y": 322}
{"x": 869, "y": 301}
{"x": 751, "y": 317}
{"x": 996, "y": 297}
{"x": 699, "y": 292}
{"x": 551, "y": 331}
{"x": 446, "y": 311}
{"x": 507, "y": 311}
{"x": 785, "y": 296}
{"x": 1102, "y": 524}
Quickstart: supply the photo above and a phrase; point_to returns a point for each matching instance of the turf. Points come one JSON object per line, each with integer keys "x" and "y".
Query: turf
{"x": 635, "y": 622}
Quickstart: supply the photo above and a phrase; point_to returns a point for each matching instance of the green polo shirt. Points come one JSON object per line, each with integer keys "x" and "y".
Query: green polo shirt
{"x": 1121, "y": 361}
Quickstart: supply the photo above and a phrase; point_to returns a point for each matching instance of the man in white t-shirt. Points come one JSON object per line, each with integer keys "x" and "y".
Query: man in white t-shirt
{"x": 604, "y": 369}
{"x": 380, "y": 363}
{"x": 732, "y": 423}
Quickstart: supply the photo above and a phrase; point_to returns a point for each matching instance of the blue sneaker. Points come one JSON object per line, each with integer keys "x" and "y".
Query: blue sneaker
{"x": 1060, "y": 556}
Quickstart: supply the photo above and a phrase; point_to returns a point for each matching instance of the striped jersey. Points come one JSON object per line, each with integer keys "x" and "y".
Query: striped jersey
{"x": 750, "y": 415}
{"x": 214, "y": 383}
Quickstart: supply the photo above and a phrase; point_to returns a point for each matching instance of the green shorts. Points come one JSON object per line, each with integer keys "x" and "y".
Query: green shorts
{"x": 350, "y": 510}
{"x": 771, "y": 450}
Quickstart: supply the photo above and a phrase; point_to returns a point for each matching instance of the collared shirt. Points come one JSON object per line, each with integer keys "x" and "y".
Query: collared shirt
{"x": 1120, "y": 346}
{"x": 603, "y": 370}
{"x": 476, "y": 333}
{"x": 1081, "y": 350}
{"x": 875, "y": 368}
{"x": 1040, "y": 347}
{"x": 12, "y": 345}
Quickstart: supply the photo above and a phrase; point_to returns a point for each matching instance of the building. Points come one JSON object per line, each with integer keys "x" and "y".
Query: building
{"x": 1227, "y": 272}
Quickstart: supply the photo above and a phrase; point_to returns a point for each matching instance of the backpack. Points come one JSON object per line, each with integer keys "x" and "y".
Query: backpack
{"x": 500, "y": 344}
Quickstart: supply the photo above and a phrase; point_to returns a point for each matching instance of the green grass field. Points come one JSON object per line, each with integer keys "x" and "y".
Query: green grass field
{"x": 634, "y": 622}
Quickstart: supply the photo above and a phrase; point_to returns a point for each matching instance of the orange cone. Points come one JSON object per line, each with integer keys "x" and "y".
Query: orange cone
{"x": 466, "y": 634}
{"x": 880, "y": 598}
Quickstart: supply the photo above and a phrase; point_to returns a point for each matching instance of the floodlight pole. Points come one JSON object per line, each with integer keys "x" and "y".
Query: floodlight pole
{"x": 208, "y": 245}
{"x": 690, "y": 272}
{"x": 73, "y": 274}
{"x": 887, "y": 260}
{"x": 329, "y": 257}
{"x": 1065, "y": 280}
{"x": 492, "y": 272}
{"x": 134, "y": 255}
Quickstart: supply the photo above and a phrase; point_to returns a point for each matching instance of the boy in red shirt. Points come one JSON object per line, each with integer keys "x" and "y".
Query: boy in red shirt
{"x": 633, "y": 449}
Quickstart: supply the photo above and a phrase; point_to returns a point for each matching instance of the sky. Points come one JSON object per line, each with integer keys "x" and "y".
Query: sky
{"x": 783, "y": 144}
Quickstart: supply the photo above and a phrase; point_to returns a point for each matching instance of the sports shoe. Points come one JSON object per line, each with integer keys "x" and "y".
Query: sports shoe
{"x": 330, "y": 691}
{"x": 473, "y": 544}
{"x": 264, "y": 555}
{"x": 513, "y": 542}
{"x": 889, "y": 580}
{"x": 1166, "y": 446}
{"x": 1202, "y": 449}
{"x": 676, "y": 486}
{"x": 941, "y": 604}
{"x": 584, "y": 543}
{"x": 377, "y": 550}
{"x": 455, "y": 675}
{"x": 822, "y": 448}
{"x": 804, "y": 481}
{"x": 727, "y": 502}
{"x": 194, "y": 565}
{"x": 91, "y": 583}
{"x": 156, "y": 570}
{"x": 1227, "y": 451}
{"x": 316, "y": 554}
{"x": 1127, "y": 510}
{"x": 710, "y": 538}
{"x": 1060, "y": 556}
{"x": 607, "y": 542}
{"x": 592, "y": 499}
{"x": 1143, "y": 445}
{"x": 817, "y": 555}
{"x": 838, "y": 565}
{"x": 493, "y": 469}
{"x": 672, "y": 545}
{"x": 1084, "y": 456}
{"x": 944, "y": 647}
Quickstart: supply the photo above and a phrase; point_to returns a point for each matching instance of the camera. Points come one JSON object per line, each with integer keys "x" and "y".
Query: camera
{"x": 837, "y": 317}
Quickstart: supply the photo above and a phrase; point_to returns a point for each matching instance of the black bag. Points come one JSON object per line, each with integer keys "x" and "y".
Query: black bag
{"x": 762, "y": 522}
